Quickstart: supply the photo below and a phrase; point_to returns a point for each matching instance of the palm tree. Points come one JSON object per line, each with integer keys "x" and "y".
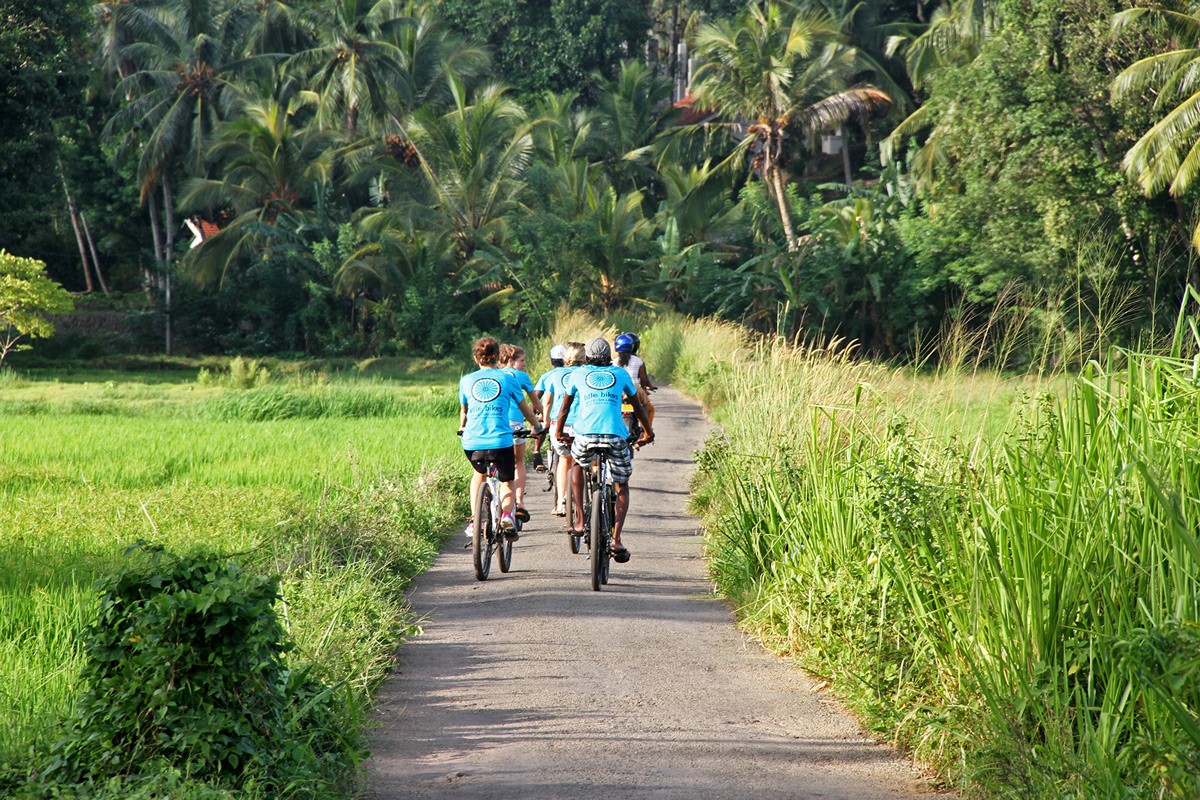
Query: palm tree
{"x": 954, "y": 37}
{"x": 471, "y": 160}
{"x": 357, "y": 64}
{"x": 774, "y": 72}
{"x": 633, "y": 110}
{"x": 1168, "y": 155}
{"x": 180, "y": 61}
{"x": 430, "y": 54}
{"x": 274, "y": 165}
{"x": 621, "y": 229}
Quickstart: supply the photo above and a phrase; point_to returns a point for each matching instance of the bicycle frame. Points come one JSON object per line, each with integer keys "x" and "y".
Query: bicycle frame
{"x": 598, "y": 485}
{"x": 487, "y": 538}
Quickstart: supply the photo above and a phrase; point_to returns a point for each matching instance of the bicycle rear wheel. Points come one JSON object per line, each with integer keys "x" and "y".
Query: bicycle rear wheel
{"x": 599, "y": 538}
{"x": 481, "y": 534}
{"x": 573, "y": 539}
{"x": 504, "y": 550}
{"x": 552, "y": 471}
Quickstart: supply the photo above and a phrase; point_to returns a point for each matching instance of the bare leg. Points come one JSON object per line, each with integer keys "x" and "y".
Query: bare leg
{"x": 577, "y": 497}
{"x": 519, "y": 481}
{"x": 564, "y": 464}
{"x": 476, "y": 480}
{"x": 622, "y": 508}
{"x": 506, "y": 497}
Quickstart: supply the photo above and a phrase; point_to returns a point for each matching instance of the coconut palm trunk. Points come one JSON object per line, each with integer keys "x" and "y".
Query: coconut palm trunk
{"x": 772, "y": 149}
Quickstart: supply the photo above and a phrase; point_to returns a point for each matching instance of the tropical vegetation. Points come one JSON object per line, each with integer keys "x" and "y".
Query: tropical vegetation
{"x": 372, "y": 178}
{"x": 867, "y": 204}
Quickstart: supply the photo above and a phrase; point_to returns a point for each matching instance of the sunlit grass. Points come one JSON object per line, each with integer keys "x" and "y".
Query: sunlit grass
{"x": 999, "y": 571}
{"x": 346, "y": 499}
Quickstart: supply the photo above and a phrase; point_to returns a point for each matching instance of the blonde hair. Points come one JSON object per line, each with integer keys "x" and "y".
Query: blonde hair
{"x": 576, "y": 354}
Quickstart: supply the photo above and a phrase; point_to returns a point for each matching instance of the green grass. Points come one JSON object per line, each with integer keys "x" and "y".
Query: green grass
{"x": 999, "y": 572}
{"x": 344, "y": 486}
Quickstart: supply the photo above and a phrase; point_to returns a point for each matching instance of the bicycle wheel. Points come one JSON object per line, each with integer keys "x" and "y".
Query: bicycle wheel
{"x": 610, "y": 516}
{"x": 569, "y": 503}
{"x": 504, "y": 549}
{"x": 599, "y": 538}
{"x": 481, "y": 534}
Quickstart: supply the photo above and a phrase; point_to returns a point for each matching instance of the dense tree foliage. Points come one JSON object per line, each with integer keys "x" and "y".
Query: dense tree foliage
{"x": 384, "y": 175}
{"x": 42, "y": 78}
{"x": 552, "y": 45}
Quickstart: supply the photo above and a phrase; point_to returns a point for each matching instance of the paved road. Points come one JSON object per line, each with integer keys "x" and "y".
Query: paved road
{"x": 531, "y": 685}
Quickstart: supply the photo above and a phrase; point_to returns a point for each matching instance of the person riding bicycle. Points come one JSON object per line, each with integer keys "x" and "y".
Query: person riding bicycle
{"x": 599, "y": 388}
{"x": 557, "y": 354}
{"x": 556, "y": 391}
{"x": 486, "y": 396}
{"x": 626, "y": 346}
{"x": 512, "y": 361}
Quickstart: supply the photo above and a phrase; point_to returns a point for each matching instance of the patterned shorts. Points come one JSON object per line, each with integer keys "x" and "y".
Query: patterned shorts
{"x": 620, "y": 460}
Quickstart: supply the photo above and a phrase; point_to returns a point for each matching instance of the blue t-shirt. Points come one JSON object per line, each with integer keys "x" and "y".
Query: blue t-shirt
{"x": 488, "y": 394}
{"x": 524, "y": 384}
{"x": 598, "y": 392}
{"x": 546, "y": 381}
{"x": 561, "y": 390}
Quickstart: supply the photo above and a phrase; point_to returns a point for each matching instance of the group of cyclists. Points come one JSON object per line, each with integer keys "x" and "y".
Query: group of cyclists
{"x": 579, "y": 399}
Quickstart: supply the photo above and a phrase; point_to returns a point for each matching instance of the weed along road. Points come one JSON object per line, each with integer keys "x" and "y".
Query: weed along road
{"x": 531, "y": 685}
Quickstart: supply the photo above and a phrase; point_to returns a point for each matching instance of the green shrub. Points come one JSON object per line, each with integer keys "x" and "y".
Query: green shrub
{"x": 185, "y": 670}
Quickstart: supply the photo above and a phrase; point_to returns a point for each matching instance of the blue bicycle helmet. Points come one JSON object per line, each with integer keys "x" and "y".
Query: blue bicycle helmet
{"x": 625, "y": 343}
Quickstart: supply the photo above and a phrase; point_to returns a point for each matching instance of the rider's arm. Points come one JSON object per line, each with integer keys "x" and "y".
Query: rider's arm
{"x": 535, "y": 402}
{"x": 528, "y": 412}
{"x": 643, "y": 377}
{"x": 462, "y": 417}
{"x": 562, "y": 416}
{"x": 546, "y": 406}
{"x": 640, "y": 410}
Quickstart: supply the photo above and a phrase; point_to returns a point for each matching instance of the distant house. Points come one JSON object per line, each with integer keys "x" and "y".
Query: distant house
{"x": 691, "y": 114}
{"x": 201, "y": 229}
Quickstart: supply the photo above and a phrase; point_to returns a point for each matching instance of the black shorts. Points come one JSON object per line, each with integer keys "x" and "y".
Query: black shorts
{"x": 506, "y": 462}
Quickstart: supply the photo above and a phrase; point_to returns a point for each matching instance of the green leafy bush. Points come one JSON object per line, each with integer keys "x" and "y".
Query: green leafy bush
{"x": 185, "y": 671}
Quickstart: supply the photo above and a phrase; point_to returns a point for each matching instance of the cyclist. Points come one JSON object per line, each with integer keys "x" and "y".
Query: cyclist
{"x": 512, "y": 360}
{"x": 557, "y": 354}
{"x": 626, "y": 346}
{"x": 573, "y": 359}
{"x": 599, "y": 388}
{"x": 486, "y": 396}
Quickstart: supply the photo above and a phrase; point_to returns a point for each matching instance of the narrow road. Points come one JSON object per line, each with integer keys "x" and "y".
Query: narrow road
{"x": 531, "y": 685}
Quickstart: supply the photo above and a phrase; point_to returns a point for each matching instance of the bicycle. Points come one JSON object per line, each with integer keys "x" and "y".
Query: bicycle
{"x": 486, "y": 536}
{"x": 599, "y": 510}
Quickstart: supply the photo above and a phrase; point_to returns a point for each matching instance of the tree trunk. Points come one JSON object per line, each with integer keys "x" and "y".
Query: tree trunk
{"x": 169, "y": 248}
{"x": 150, "y": 276}
{"x": 87, "y": 234}
{"x": 774, "y": 176}
{"x": 675, "y": 48}
{"x": 845, "y": 134}
{"x": 83, "y": 258}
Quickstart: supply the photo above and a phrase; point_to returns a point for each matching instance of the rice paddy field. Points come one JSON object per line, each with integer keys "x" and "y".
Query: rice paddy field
{"x": 342, "y": 485}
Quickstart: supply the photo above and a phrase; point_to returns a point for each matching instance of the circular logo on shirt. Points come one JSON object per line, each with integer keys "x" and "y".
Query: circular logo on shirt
{"x": 485, "y": 390}
{"x": 600, "y": 380}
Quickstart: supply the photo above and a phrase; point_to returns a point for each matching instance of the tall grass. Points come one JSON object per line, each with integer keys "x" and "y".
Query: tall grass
{"x": 1000, "y": 572}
